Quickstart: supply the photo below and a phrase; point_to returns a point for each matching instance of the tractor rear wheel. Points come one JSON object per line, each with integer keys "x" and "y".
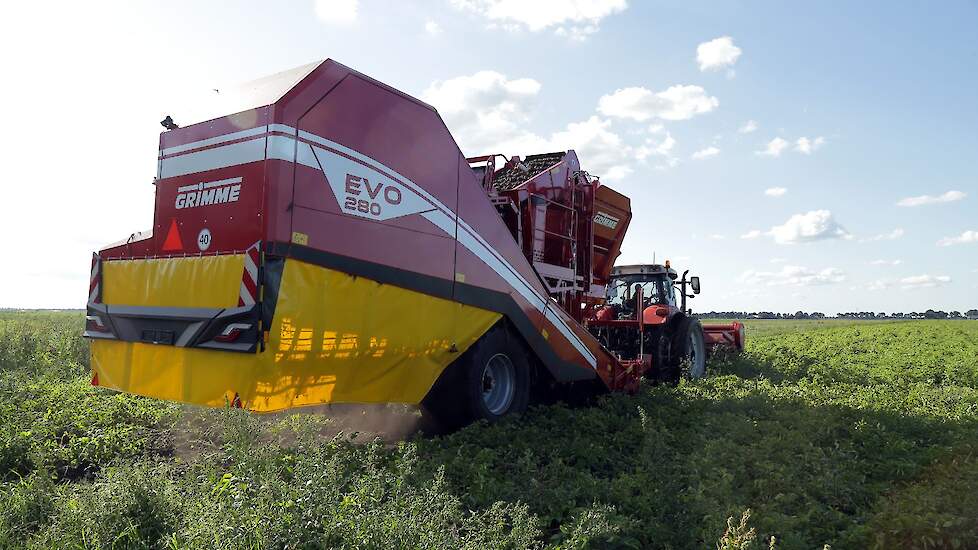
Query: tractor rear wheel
{"x": 689, "y": 349}
{"x": 489, "y": 381}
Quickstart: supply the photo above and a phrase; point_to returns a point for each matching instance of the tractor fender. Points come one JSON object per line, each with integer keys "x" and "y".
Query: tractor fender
{"x": 674, "y": 322}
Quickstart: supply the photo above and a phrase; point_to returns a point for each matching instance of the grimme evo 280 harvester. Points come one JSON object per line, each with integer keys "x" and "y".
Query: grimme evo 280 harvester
{"x": 326, "y": 241}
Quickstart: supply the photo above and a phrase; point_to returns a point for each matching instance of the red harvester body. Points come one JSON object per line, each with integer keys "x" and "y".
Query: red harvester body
{"x": 325, "y": 240}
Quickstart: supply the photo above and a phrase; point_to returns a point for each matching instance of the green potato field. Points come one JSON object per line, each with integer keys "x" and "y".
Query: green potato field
{"x": 848, "y": 434}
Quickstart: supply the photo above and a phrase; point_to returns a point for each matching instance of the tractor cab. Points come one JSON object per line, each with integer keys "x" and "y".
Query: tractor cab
{"x": 656, "y": 284}
{"x": 652, "y": 282}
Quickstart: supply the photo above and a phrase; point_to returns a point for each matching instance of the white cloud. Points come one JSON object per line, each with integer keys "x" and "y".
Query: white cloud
{"x": 668, "y": 163}
{"x": 752, "y": 234}
{"x": 717, "y": 237}
{"x": 911, "y": 283}
{"x": 705, "y": 153}
{"x": 964, "y": 238}
{"x": 337, "y": 12}
{"x": 680, "y": 102}
{"x": 774, "y": 148}
{"x": 717, "y": 54}
{"x": 658, "y": 148}
{"x": 950, "y": 196}
{"x": 886, "y": 262}
{"x": 891, "y": 236}
{"x": 924, "y": 281}
{"x": 812, "y": 226}
{"x": 487, "y": 112}
{"x": 572, "y": 18}
{"x": 432, "y": 27}
{"x": 748, "y": 127}
{"x": 879, "y": 285}
{"x": 601, "y": 151}
{"x": 775, "y": 191}
{"x": 777, "y": 260}
{"x": 577, "y": 33}
{"x": 803, "y": 145}
{"x": 808, "y": 146}
{"x": 656, "y": 128}
{"x": 665, "y": 146}
{"x": 792, "y": 275}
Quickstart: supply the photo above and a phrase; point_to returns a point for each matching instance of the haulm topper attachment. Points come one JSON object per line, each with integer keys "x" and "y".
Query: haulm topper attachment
{"x": 324, "y": 240}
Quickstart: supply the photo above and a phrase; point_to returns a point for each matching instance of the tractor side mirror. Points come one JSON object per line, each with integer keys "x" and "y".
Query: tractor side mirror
{"x": 694, "y": 283}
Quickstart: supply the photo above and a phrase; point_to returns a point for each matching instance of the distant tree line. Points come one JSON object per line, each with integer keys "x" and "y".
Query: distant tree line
{"x": 929, "y": 314}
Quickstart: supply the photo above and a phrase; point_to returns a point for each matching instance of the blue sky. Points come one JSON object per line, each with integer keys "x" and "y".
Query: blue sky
{"x": 868, "y": 104}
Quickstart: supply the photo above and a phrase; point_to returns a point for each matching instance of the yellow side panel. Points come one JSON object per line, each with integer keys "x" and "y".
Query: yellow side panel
{"x": 193, "y": 281}
{"x": 335, "y": 338}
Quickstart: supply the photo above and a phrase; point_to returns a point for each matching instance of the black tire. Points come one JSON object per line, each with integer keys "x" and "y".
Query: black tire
{"x": 689, "y": 349}
{"x": 660, "y": 343}
{"x": 489, "y": 381}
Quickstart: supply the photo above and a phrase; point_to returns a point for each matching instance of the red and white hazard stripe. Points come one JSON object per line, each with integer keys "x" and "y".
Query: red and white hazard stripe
{"x": 248, "y": 293}
{"x": 95, "y": 281}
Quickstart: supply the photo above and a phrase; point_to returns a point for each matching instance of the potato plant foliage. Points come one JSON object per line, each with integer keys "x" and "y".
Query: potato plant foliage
{"x": 853, "y": 435}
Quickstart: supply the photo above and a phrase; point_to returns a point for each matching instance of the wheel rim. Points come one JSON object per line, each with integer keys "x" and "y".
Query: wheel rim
{"x": 498, "y": 384}
{"x": 697, "y": 355}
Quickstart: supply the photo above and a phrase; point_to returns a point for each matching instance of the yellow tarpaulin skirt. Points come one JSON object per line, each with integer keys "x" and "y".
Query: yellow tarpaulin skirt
{"x": 334, "y": 338}
{"x": 210, "y": 281}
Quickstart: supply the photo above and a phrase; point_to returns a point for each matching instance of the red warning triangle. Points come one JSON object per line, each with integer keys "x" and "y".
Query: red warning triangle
{"x": 173, "y": 241}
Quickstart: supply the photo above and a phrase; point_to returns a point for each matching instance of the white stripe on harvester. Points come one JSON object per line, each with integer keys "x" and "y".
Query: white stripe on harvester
{"x": 251, "y": 268}
{"x": 245, "y": 296}
{"x": 232, "y": 154}
{"x": 283, "y": 148}
{"x": 556, "y": 316}
{"x": 251, "y": 132}
{"x": 250, "y": 272}
{"x": 282, "y": 128}
{"x": 96, "y": 278}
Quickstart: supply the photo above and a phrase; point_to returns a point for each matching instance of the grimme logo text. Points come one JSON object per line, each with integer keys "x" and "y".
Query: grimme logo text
{"x": 606, "y": 220}
{"x": 211, "y": 192}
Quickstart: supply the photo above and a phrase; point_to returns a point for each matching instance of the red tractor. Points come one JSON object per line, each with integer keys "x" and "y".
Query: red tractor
{"x": 647, "y": 326}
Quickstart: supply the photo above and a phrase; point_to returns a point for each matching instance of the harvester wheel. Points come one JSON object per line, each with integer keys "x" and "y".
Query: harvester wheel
{"x": 689, "y": 349}
{"x": 489, "y": 381}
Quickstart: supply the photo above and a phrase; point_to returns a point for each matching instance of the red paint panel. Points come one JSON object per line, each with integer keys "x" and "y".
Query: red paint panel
{"x": 362, "y": 239}
{"x": 403, "y": 138}
{"x": 218, "y": 127}
{"x": 278, "y": 200}
{"x": 304, "y": 95}
{"x": 381, "y": 124}
{"x": 230, "y": 213}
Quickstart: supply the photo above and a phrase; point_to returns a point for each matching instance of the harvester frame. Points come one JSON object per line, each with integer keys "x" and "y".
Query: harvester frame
{"x": 328, "y": 231}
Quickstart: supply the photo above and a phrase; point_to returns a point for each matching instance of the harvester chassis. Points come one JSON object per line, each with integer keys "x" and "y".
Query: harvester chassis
{"x": 332, "y": 235}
